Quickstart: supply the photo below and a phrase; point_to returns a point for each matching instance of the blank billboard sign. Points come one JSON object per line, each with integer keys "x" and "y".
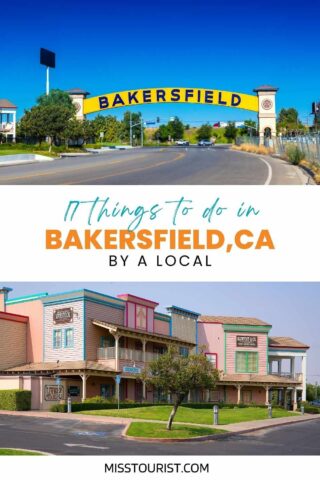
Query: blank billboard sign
{"x": 47, "y": 58}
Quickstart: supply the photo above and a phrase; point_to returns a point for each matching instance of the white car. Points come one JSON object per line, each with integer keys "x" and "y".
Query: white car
{"x": 182, "y": 143}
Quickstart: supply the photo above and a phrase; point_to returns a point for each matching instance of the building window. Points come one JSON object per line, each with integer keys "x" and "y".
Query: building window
{"x": 212, "y": 357}
{"x": 57, "y": 339}
{"x": 141, "y": 317}
{"x": 68, "y": 338}
{"x": 107, "y": 390}
{"x": 246, "y": 362}
{"x": 184, "y": 351}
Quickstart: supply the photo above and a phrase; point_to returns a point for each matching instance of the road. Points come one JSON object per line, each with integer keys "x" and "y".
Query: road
{"x": 74, "y": 437}
{"x": 157, "y": 166}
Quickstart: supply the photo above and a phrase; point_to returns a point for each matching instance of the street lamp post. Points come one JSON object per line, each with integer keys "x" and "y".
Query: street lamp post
{"x": 135, "y": 125}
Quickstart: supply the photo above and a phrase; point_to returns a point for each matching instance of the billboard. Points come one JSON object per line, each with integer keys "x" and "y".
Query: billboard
{"x": 47, "y": 58}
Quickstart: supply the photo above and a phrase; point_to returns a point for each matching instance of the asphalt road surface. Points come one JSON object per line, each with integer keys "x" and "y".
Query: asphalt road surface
{"x": 74, "y": 437}
{"x": 158, "y": 166}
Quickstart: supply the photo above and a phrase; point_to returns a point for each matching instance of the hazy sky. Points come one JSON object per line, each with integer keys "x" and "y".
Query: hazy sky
{"x": 105, "y": 46}
{"x": 292, "y": 308}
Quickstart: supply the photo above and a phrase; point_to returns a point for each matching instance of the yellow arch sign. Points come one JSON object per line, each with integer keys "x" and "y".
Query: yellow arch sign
{"x": 144, "y": 96}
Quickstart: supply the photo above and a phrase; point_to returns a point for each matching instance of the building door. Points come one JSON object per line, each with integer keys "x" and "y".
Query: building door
{"x": 138, "y": 391}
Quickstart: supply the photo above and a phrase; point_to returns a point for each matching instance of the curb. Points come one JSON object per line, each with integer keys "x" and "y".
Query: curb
{"x": 210, "y": 438}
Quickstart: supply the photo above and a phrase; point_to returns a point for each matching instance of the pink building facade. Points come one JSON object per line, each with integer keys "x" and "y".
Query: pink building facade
{"x": 77, "y": 343}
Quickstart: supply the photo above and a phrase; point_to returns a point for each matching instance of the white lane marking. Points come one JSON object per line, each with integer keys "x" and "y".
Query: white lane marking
{"x": 269, "y": 178}
{"x": 83, "y": 445}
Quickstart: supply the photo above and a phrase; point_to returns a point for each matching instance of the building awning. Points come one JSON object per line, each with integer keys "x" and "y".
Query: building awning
{"x": 62, "y": 368}
{"x": 132, "y": 332}
{"x": 258, "y": 380}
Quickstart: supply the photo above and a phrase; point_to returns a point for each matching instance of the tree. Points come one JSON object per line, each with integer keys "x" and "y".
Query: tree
{"x": 231, "y": 131}
{"x": 313, "y": 392}
{"x": 204, "y": 132}
{"x": 50, "y": 118}
{"x": 73, "y": 130}
{"x": 99, "y": 127}
{"x": 162, "y": 133}
{"x": 57, "y": 97}
{"x": 288, "y": 119}
{"x": 113, "y": 129}
{"x": 176, "y": 375}
{"x": 250, "y": 128}
{"x": 175, "y": 129}
{"x": 125, "y": 126}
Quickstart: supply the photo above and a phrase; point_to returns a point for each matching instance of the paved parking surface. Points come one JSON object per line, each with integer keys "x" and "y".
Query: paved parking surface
{"x": 74, "y": 437}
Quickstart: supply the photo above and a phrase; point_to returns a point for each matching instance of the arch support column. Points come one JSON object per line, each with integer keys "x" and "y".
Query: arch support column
{"x": 267, "y": 111}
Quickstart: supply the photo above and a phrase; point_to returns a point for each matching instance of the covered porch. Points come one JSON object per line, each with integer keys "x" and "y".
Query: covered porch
{"x": 255, "y": 390}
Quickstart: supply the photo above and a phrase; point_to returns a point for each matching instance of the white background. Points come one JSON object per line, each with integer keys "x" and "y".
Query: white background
{"x": 290, "y": 213}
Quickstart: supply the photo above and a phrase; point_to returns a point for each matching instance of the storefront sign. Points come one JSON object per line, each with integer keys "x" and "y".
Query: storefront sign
{"x": 53, "y": 393}
{"x": 170, "y": 95}
{"x": 63, "y": 315}
{"x": 247, "y": 341}
{"x": 135, "y": 370}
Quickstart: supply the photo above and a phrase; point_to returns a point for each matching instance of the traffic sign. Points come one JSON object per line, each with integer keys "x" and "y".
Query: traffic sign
{"x": 118, "y": 379}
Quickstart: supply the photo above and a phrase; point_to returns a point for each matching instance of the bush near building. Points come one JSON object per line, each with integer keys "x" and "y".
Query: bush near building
{"x": 15, "y": 400}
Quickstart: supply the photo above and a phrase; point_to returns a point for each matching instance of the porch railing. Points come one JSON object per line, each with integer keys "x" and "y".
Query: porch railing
{"x": 295, "y": 376}
{"x": 125, "y": 354}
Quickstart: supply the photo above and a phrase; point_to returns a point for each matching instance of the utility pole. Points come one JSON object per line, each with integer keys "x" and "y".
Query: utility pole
{"x": 141, "y": 132}
{"x": 130, "y": 129}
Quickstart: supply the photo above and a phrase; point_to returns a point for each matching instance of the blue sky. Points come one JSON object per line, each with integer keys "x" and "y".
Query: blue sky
{"x": 105, "y": 46}
{"x": 291, "y": 308}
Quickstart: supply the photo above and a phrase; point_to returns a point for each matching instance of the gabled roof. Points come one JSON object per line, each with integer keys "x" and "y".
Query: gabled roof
{"x": 4, "y": 103}
{"x": 266, "y": 88}
{"x": 233, "y": 320}
{"x": 281, "y": 342}
{"x": 77, "y": 91}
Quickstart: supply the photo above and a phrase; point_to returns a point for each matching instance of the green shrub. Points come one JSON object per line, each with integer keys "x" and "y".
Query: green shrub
{"x": 311, "y": 409}
{"x": 98, "y": 399}
{"x": 294, "y": 154}
{"x": 15, "y": 400}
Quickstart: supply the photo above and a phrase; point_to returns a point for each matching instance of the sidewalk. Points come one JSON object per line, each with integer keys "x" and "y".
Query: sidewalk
{"x": 241, "y": 427}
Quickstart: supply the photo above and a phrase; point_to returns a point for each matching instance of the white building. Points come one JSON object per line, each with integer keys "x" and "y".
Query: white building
{"x": 8, "y": 119}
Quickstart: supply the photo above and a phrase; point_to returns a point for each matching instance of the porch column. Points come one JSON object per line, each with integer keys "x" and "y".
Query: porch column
{"x": 84, "y": 378}
{"x": 267, "y": 394}
{"x": 294, "y": 399}
{"x": 304, "y": 377}
{"x": 239, "y": 387}
{"x": 144, "y": 343}
{"x": 144, "y": 390}
{"x": 14, "y": 114}
{"x": 207, "y": 395}
{"x": 292, "y": 366}
{"x": 285, "y": 398}
{"x": 279, "y": 366}
{"x": 116, "y": 345}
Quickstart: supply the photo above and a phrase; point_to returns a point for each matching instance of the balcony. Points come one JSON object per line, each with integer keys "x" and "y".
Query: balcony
{"x": 125, "y": 354}
{"x": 6, "y": 127}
